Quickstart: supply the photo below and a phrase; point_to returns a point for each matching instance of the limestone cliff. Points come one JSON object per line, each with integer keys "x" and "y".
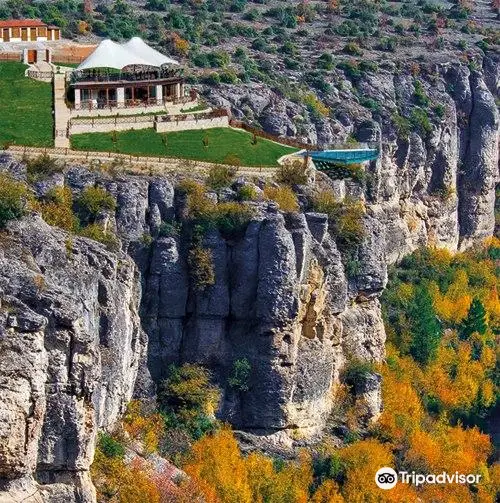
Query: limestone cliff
{"x": 70, "y": 346}
{"x": 83, "y": 328}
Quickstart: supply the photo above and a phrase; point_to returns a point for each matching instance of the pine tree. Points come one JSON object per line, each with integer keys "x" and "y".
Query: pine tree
{"x": 475, "y": 320}
{"x": 425, "y": 327}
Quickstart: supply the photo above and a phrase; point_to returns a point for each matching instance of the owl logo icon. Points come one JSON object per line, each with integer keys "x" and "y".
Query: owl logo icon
{"x": 386, "y": 478}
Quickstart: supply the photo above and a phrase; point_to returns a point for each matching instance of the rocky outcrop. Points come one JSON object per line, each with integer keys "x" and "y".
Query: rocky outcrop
{"x": 434, "y": 181}
{"x": 75, "y": 347}
{"x": 70, "y": 345}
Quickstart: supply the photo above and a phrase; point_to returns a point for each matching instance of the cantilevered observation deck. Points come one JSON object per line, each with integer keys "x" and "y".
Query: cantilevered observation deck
{"x": 328, "y": 159}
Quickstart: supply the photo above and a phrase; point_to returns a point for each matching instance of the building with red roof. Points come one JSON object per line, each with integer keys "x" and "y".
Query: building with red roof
{"x": 28, "y": 30}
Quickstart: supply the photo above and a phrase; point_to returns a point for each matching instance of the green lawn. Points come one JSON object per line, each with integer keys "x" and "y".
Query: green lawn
{"x": 25, "y": 108}
{"x": 187, "y": 144}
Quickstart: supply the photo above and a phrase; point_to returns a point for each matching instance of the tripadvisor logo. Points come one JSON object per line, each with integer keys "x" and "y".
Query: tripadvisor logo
{"x": 387, "y": 478}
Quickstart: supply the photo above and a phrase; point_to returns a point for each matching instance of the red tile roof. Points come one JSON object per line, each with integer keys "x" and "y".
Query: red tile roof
{"x": 21, "y": 23}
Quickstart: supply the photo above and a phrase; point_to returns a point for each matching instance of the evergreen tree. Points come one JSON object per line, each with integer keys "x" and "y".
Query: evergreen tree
{"x": 425, "y": 327}
{"x": 475, "y": 320}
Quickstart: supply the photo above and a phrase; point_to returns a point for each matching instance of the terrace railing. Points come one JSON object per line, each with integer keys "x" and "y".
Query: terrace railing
{"x": 111, "y": 104}
{"x": 94, "y": 121}
{"x": 139, "y": 76}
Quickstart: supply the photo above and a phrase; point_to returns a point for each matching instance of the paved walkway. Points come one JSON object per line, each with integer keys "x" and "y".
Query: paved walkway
{"x": 61, "y": 112}
{"x": 133, "y": 164}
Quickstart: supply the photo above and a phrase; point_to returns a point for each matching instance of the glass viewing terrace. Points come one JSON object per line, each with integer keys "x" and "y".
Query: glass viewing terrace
{"x": 327, "y": 159}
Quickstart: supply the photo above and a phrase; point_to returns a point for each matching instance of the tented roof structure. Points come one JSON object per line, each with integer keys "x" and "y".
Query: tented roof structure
{"x": 109, "y": 54}
{"x": 143, "y": 50}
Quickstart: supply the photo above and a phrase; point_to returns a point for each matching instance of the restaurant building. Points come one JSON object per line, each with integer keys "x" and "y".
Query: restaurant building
{"x": 126, "y": 75}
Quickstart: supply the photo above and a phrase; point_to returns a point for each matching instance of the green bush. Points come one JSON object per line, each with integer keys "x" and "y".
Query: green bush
{"x": 42, "y": 167}
{"x": 57, "y": 209}
{"x": 420, "y": 95}
{"x": 247, "y": 193}
{"x": 188, "y": 399}
{"x": 402, "y": 125}
{"x": 351, "y": 70}
{"x": 169, "y": 229}
{"x": 146, "y": 239}
{"x": 201, "y": 267}
{"x": 109, "y": 446}
{"x": 420, "y": 121}
{"x": 284, "y": 196}
{"x": 370, "y": 103}
{"x": 93, "y": 200}
{"x": 221, "y": 176}
{"x": 240, "y": 375}
{"x": 439, "y": 110}
{"x": 97, "y": 233}
{"x": 356, "y": 372}
{"x": 292, "y": 173}
{"x": 232, "y": 218}
{"x": 14, "y": 197}
{"x": 345, "y": 217}
{"x": 325, "y": 61}
{"x": 353, "y": 49}
{"x": 228, "y": 76}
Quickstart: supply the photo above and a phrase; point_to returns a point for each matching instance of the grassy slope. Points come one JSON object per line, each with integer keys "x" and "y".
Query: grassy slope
{"x": 25, "y": 107}
{"x": 187, "y": 144}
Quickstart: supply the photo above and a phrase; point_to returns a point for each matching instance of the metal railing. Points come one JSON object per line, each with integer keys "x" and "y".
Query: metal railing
{"x": 93, "y": 121}
{"x": 111, "y": 104}
{"x": 140, "y": 76}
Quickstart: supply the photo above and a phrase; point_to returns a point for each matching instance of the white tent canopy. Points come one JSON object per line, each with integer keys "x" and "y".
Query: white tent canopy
{"x": 137, "y": 46}
{"x": 109, "y": 54}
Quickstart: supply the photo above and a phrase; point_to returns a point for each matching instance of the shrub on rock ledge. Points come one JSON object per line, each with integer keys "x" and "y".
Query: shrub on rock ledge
{"x": 285, "y": 197}
{"x": 93, "y": 200}
{"x": 14, "y": 196}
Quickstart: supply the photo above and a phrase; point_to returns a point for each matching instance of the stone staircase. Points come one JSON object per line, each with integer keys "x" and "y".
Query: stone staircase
{"x": 61, "y": 112}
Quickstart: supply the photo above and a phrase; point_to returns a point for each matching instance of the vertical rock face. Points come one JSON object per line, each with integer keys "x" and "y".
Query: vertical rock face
{"x": 438, "y": 188}
{"x": 70, "y": 345}
{"x": 275, "y": 302}
{"x": 73, "y": 346}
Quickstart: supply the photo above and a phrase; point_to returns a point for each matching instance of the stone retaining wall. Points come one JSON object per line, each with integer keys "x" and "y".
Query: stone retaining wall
{"x": 108, "y": 126}
{"x": 184, "y": 125}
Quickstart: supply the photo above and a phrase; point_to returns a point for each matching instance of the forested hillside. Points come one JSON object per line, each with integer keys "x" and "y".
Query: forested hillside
{"x": 316, "y": 57}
